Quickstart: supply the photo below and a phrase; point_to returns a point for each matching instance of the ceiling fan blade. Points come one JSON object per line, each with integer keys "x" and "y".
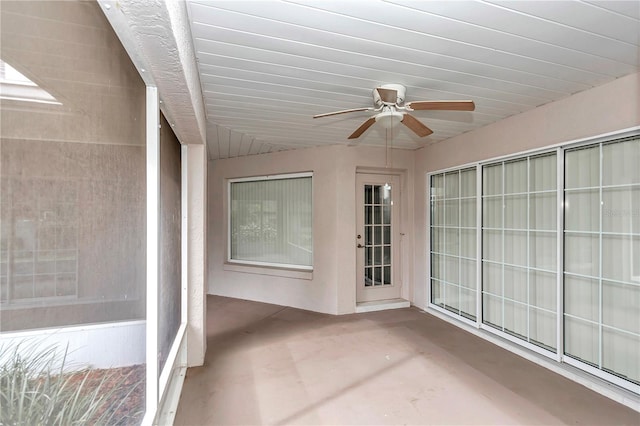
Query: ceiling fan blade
{"x": 342, "y": 112}
{"x": 363, "y": 127}
{"x": 416, "y": 126}
{"x": 388, "y": 95}
{"x": 442, "y": 105}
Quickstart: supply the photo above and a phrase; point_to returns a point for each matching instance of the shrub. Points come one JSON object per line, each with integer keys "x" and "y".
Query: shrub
{"x": 37, "y": 388}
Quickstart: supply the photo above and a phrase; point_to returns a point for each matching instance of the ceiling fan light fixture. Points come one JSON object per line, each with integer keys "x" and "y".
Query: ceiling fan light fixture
{"x": 389, "y": 119}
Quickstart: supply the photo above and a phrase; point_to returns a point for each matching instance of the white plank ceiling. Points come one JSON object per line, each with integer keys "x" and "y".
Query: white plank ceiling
{"x": 266, "y": 67}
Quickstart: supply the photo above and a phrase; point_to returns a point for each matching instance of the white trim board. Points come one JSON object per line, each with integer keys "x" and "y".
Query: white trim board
{"x": 107, "y": 345}
{"x": 381, "y": 305}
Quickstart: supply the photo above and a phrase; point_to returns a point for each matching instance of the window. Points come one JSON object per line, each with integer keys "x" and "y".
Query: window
{"x": 453, "y": 241}
{"x": 270, "y": 221}
{"x": 601, "y": 242}
{"x": 519, "y": 259}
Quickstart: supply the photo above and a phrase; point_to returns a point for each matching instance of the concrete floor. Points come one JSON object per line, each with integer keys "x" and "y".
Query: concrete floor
{"x": 266, "y": 364}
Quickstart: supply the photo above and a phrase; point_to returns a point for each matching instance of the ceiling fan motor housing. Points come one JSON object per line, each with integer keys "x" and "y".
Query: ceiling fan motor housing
{"x": 399, "y": 88}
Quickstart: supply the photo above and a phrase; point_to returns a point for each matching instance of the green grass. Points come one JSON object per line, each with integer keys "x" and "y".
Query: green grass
{"x": 37, "y": 389}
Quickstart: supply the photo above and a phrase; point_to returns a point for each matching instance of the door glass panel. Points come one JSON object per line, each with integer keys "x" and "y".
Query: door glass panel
{"x": 387, "y": 235}
{"x": 378, "y": 276}
{"x": 377, "y": 235}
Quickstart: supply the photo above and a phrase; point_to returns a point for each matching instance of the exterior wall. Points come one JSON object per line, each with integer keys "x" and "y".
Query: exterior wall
{"x": 608, "y": 108}
{"x": 330, "y": 288}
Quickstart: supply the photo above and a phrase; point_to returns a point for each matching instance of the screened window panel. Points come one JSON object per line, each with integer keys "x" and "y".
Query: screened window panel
{"x": 437, "y": 293}
{"x": 519, "y": 241}
{"x": 492, "y": 308}
{"x": 451, "y": 185}
{"x": 468, "y": 213}
{"x": 616, "y": 256}
{"x": 543, "y": 250}
{"x": 515, "y": 179}
{"x": 492, "y": 245}
{"x": 581, "y": 340}
{"x": 577, "y": 203}
{"x": 602, "y": 246}
{"x": 468, "y": 184}
{"x": 620, "y": 210}
{"x": 542, "y": 290}
{"x": 468, "y": 243}
{"x": 492, "y": 180}
{"x": 620, "y": 303}
{"x": 453, "y": 298}
{"x": 584, "y": 167}
{"x": 515, "y": 247}
{"x": 543, "y": 213}
{"x": 492, "y": 278}
{"x": 620, "y": 163}
{"x": 581, "y": 298}
{"x": 437, "y": 266}
{"x": 492, "y": 212}
{"x": 468, "y": 273}
{"x": 437, "y": 239}
{"x": 515, "y": 212}
{"x": 542, "y": 328}
{"x": 515, "y": 319}
{"x": 543, "y": 173}
{"x": 468, "y": 303}
{"x": 437, "y": 212}
{"x": 618, "y": 348}
{"x": 452, "y": 212}
{"x": 452, "y": 243}
{"x": 515, "y": 284}
{"x": 452, "y": 269}
{"x": 271, "y": 222}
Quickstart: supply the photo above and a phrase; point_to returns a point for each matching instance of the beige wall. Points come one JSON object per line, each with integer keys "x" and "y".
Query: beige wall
{"x": 608, "y": 108}
{"x": 331, "y": 288}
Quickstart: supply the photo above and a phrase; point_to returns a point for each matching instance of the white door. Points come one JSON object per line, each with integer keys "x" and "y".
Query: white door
{"x": 377, "y": 239}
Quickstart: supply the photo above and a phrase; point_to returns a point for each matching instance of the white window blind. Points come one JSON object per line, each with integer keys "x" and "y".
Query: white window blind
{"x": 270, "y": 221}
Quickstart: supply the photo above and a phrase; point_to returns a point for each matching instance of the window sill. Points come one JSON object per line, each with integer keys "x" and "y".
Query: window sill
{"x": 266, "y": 270}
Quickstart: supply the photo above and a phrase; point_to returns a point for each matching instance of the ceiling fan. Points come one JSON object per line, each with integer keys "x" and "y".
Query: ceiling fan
{"x": 390, "y": 109}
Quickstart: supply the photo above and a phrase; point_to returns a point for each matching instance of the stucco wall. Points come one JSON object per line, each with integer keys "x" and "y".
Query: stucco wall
{"x": 608, "y": 108}
{"x": 331, "y": 288}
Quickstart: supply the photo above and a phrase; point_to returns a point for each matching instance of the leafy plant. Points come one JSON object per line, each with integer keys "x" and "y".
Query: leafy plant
{"x": 36, "y": 388}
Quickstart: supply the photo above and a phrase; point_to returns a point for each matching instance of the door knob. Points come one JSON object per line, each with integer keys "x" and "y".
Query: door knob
{"x": 360, "y": 245}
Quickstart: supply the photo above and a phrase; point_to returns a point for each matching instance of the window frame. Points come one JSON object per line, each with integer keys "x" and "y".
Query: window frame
{"x": 252, "y": 263}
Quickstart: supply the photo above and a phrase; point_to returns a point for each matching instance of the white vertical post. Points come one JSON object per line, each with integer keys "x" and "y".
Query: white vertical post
{"x": 197, "y": 255}
{"x": 428, "y": 239}
{"x": 478, "y": 245}
{"x": 153, "y": 249}
{"x": 560, "y": 254}
{"x": 184, "y": 242}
